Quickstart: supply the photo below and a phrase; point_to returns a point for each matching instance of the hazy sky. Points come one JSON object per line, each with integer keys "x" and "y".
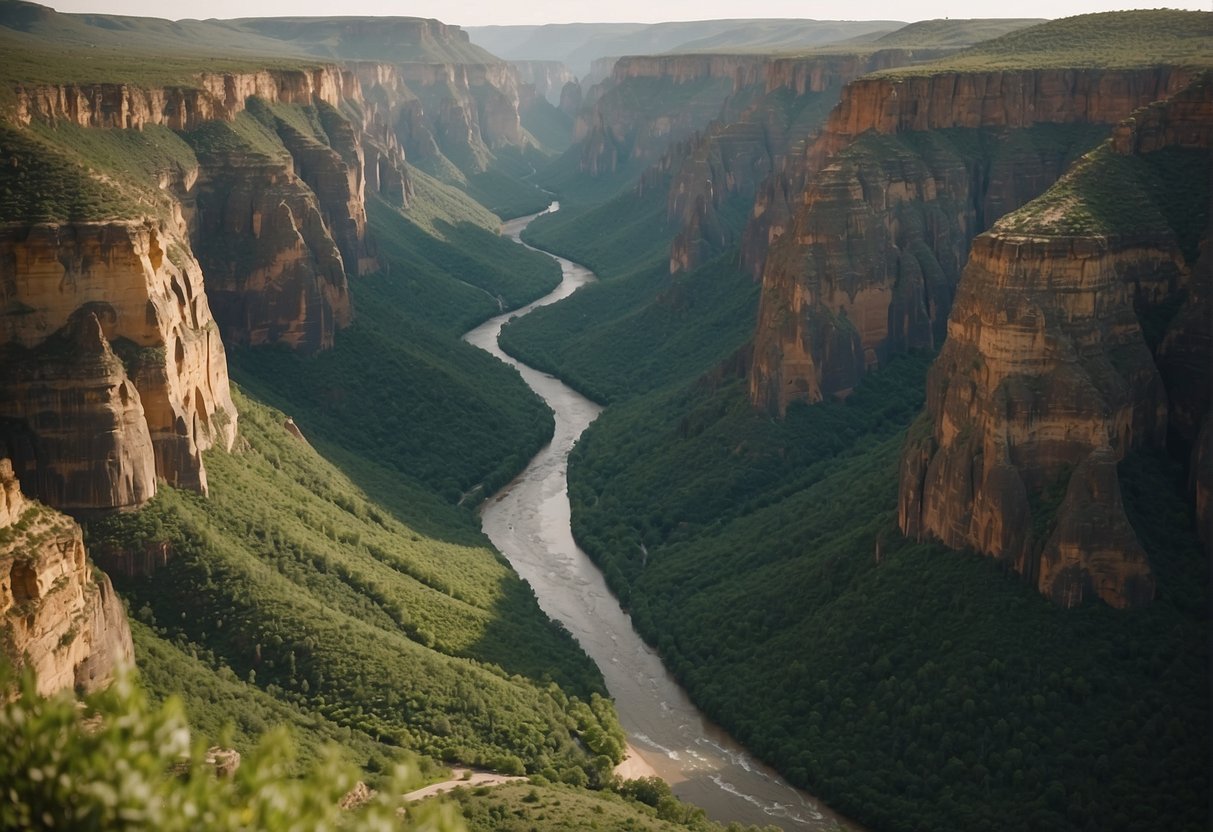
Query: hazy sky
{"x": 482, "y": 12}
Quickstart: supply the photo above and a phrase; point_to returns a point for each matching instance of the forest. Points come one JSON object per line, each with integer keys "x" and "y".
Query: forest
{"x": 761, "y": 557}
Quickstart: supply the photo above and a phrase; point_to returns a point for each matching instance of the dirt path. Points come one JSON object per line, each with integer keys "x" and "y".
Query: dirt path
{"x": 478, "y": 778}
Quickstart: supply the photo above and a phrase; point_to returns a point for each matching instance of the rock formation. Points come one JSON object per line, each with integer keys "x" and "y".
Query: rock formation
{"x": 114, "y": 373}
{"x": 730, "y": 160}
{"x": 861, "y": 241}
{"x": 58, "y": 615}
{"x": 274, "y": 272}
{"x": 549, "y": 78}
{"x": 1046, "y": 379}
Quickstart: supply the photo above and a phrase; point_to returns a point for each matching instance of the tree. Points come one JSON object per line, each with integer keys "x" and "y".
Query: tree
{"x": 119, "y": 764}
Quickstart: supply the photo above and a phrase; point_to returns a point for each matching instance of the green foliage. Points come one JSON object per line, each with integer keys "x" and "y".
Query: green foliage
{"x": 522, "y": 807}
{"x": 224, "y": 708}
{"x": 909, "y": 686}
{"x": 399, "y": 389}
{"x": 42, "y": 46}
{"x": 41, "y": 186}
{"x": 933, "y": 34}
{"x": 290, "y": 573}
{"x": 1105, "y": 40}
{"x": 615, "y": 238}
{"x": 119, "y": 763}
{"x": 1108, "y": 193}
{"x": 550, "y": 126}
{"x": 619, "y": 338}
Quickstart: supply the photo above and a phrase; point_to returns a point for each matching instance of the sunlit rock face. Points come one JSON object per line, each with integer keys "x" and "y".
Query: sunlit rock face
{"x": 861, "y": 241}
{"x": 1047, "y": 380}
{"x": 114, "y": 372}
{"x": 58, "y": 615}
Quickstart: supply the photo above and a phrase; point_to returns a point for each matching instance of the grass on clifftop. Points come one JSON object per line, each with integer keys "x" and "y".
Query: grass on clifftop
{"x": 1107, "y": 193}
{"x": 41, "y": 45}
{"x": 1106, "y": 40}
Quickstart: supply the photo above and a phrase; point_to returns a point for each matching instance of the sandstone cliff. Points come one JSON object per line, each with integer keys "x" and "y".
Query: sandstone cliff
{"x": 114, "y": 372}
{"x": 58, "y": 615}
{"x": 1047, "y": 380}
{"x": 310, "y": 199}
{"x": 729, "y": 161}
{"x": 860, "y": 241}
{"x": 650, "y": 102}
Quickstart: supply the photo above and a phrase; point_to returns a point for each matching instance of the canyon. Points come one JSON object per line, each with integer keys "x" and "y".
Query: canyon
{"x": 795, "y": 546}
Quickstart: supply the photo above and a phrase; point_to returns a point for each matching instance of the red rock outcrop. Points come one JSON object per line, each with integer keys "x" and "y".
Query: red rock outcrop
{"x": 1046, "y": 379}
{"x": 115, "y": 373}
{"x": 58, "y": 615}
{"x": 273, "y": 271}
{"x": 862, "y": 259}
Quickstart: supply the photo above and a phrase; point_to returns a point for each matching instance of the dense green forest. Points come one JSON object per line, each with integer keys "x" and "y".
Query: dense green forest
{"x": 335, "y": 579}
{"x": 288, "y": 577}
{"x": 399, "y": 392}
{"x": 909, "y": 686}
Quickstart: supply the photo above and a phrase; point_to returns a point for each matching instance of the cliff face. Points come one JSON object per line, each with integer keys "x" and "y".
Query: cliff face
{"x": 58, "y": 615}
{"x": 213, "y": 97}
{"x": 650, "y": 102}
{"x": 730, "y": 161}
{"x": 300, "y": 223}
{"x": 861, "y": 240}
{"x": 1046, "y": 379}
{"x": 547, "y": 77}
{"x": 114, "y": 371}
{"x": 463, "y": 111}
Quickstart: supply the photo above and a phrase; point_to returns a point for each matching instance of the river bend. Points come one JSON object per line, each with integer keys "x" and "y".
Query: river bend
{"x": 528, "y": 520}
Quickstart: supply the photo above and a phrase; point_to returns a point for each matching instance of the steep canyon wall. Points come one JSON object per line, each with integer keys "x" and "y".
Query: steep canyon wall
{"x": 1047, "y": 378}
{"x": 860, "y": 241}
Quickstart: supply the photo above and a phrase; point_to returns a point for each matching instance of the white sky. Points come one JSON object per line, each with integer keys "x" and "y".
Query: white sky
{"x": 483, "y": 12}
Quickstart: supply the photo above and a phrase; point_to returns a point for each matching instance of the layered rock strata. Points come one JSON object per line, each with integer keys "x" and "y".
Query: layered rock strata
{"x": 59, "y": 616}
{"x": 1046, "y": 379}
{"x": 861, "y": 240}
{"x": 311, "y": 198}
{"x": 114, "y": 372}
{"x": 730, "y": 160}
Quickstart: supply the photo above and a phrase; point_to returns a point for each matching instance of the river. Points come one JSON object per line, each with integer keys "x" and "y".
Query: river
{"x": 528, "y": 521}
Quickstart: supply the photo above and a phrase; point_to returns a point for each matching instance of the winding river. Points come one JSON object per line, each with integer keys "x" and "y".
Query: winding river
{"x": 528, "y": 521}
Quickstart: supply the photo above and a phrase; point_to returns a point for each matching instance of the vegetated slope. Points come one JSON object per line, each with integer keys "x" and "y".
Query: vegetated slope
{"x": 399, "y": 392}
{"x": 775, "y": 36}
{"x": 291, "y": 577}
{"x": 1102, "y": 40}
{"x": 763, "y": 560}
{"x": 644, "y": 805}
{"x": 389, "y": 39}
{"x": 949, "y": 32}
{"x": 909, "y": 686}
{"x": 639, "y": 327}
{"x": 43, "y": 46}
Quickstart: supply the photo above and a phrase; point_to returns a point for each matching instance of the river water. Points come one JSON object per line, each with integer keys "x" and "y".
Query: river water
{"x": 528, "y": 521}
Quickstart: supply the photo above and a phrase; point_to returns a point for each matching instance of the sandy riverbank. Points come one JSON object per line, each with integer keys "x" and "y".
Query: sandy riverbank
{"x": 634, "y": 766}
